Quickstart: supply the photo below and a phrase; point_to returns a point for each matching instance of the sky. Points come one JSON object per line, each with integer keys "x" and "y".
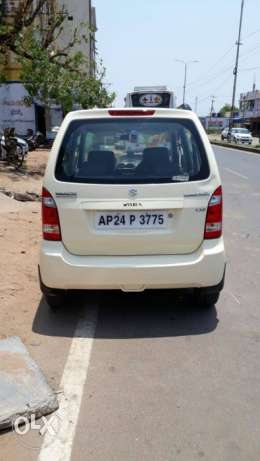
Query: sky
{"x": 140, "y": 40}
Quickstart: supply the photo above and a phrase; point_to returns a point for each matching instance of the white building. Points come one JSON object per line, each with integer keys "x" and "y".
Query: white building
{"x": 249, "y": 109}
{"x": 80, "y": 12}
{"x": 13, "y": 110}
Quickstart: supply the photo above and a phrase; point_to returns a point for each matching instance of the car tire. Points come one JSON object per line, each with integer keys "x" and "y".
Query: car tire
{"x": 206, "y": 299}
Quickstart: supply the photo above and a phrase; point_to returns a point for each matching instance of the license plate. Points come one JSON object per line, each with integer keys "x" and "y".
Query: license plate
{"x": 131, "y": 220}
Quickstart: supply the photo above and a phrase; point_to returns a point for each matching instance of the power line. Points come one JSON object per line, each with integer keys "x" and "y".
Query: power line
{"x": 210, "y": 68}
{"x": 249, "y": 68}
{"x": 251, "y": 51}
{"x": 243, "y": 56}
{"x": 251, "y": 34}
{"x": 215, "y": 90}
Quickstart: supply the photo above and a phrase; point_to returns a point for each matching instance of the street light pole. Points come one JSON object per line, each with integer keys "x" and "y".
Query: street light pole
{"x": 196, "y": 104}
{"x": 235, "y": 71}
{"x": 185, "y": 83}
{"x": 185, "y": 76}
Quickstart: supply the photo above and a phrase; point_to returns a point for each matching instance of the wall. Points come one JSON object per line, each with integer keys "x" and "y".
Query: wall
{"x": 14, "y": 112}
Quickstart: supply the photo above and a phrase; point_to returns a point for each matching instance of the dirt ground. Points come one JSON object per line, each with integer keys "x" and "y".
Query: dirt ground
{"x": 23, "y": 312}
{"x": 27, "y": 180}
{"x": 20, "y": 230}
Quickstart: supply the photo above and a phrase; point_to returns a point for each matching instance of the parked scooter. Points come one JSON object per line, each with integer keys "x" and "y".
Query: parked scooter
{"x": 37, "y": 140}
{"x": 12, "y": 148}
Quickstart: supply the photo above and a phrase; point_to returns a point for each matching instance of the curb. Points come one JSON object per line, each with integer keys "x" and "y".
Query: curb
{"x": 236, "y": 147}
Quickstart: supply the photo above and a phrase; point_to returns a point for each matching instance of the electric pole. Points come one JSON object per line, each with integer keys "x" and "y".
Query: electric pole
{"x": 212, "y": 105}
{"x": 235, "y": 71}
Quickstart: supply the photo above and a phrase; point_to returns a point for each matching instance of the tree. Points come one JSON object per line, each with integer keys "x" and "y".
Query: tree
{"x": 227, "y": 109}
{"x": 66, "y": 85}
{"x": 52, "y": 72}
{"x": 27, "y": 17}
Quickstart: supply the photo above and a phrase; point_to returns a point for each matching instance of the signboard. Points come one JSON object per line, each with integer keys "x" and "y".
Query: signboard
{"x": 13, "y": 110}
{"x": 151, "y": 100}
{"x": 217, "y": 123}
{"x": 164, "y": 99}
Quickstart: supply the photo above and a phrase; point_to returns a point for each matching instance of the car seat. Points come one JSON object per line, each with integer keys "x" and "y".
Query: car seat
{"x": 99, "y": 163}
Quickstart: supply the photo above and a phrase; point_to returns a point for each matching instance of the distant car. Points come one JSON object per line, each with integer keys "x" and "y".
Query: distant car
{"x": 132, "y": 220}
{"x": 224, "y": 134}
{"x": 237, "y": 135}
{"x": 241, "y": 135}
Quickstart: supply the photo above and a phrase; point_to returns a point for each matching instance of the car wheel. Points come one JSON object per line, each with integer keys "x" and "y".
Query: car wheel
{"x": 206, "y": 299}
{"x": 55, "y": 301}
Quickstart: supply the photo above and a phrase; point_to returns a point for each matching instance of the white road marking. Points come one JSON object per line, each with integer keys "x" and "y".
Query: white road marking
{"x": 59, "y": 446}
{"x": 236, "y": 173}
{"x": 234, "y": 297}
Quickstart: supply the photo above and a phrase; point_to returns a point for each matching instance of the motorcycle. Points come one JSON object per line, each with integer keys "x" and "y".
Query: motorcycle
{"x": 37, "y": 140}
{"x": 12, "y": 148}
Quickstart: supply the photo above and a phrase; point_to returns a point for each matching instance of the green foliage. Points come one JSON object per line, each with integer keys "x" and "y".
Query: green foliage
{"x": 50, "y": 81}
{"x": 227, "y": 108}
{"x": 53, "y": 72}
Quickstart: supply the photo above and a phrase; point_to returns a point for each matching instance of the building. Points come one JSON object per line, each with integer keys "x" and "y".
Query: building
{"x": 249, "y": 110}
{"x": 78, "y": 12}
{"x": 13, "y": 110}
{"x": 12, "y": 69}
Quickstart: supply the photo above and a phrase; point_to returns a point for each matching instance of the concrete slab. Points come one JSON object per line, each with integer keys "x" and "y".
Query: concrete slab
{"x": 24, "y": 390}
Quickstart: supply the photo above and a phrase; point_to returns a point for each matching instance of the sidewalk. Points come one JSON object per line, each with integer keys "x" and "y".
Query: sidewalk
{"x": 217, "y": 138}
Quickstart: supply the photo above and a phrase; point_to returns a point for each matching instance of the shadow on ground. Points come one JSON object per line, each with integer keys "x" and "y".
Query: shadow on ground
{"x": 123, "y": 316}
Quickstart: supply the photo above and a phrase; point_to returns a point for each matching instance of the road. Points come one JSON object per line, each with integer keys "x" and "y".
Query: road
{"x": 152, "y": 377}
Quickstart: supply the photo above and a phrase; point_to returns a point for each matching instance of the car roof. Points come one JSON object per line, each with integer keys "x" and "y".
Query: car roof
{"x": 104, "y": 113}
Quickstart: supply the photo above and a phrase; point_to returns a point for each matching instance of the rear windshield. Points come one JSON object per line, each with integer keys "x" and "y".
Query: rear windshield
{"x": 132, "y": 151}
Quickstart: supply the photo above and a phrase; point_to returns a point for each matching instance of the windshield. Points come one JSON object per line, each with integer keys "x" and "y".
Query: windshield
{"x": 136, "y": 150}
{"x": 241, "y": 130}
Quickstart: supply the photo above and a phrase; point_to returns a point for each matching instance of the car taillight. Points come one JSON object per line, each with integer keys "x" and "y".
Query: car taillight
{"x": 213, "y": 226}
{"x": 50, "y": 217}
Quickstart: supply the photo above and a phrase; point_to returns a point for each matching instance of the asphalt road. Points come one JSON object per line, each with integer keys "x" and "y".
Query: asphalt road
{"x": 163, "y": 380}
{"x": 169, "y": 382}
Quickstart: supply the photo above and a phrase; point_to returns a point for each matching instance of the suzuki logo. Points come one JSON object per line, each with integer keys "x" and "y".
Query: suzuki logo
{"x": 132, "y": 193}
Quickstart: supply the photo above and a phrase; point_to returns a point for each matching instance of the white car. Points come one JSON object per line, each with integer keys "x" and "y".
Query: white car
{"x": 241, "y": 135}
{"x": 152, "y": 223}
{"x": 237, "y": 135}
{"x": 224, "y": 133}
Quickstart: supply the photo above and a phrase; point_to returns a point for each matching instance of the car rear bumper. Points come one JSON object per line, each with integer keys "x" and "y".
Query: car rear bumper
{"x": 61, "y": 270}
